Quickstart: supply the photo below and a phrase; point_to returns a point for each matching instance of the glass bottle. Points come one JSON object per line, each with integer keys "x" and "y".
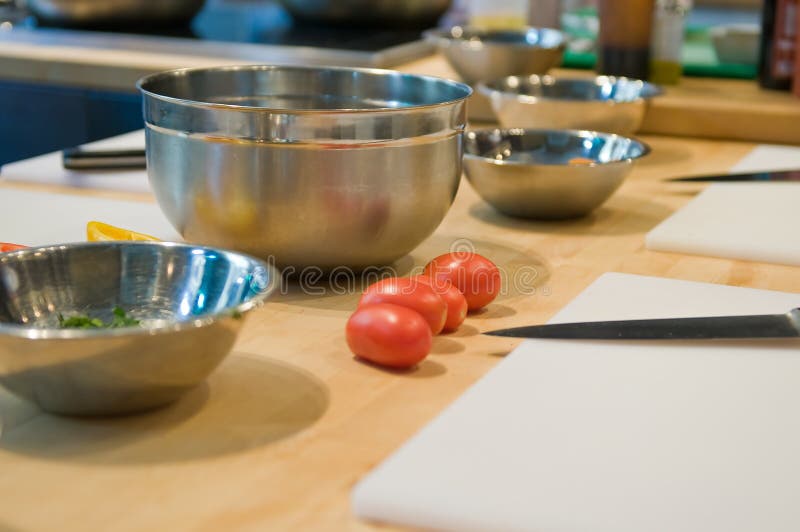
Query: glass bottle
{"x": 776, "y": 55}
{"x": 667, "y": 43}
{"x": 498, "y": 14}
{"x": 623, "y": 44}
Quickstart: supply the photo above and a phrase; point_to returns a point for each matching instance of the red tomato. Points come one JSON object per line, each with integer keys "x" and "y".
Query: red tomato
{"x": 475, "y": 276}
{"x": 411, "y": 293}
{"x": 453, "y": 298}
{"x": 5, "y": 246}
{"x": 389, "y": 335}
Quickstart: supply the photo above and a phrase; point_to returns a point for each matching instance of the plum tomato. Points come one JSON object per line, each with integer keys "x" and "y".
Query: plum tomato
{"x": 474, "y": 275}
{"x": 410, "y": 293}
{"x": 453, "y": 298}
{"x": 389, "y": 335}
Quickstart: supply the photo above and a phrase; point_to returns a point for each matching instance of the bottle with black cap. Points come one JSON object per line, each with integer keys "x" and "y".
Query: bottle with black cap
{"x": 623, "y": 44}
{"x": 778, "y": 36}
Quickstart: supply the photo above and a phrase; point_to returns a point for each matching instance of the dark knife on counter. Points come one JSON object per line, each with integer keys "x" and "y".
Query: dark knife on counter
{"x": 784, "y": 175}
{"x": 705, "y": 328}
{"x": 99, "y": 159}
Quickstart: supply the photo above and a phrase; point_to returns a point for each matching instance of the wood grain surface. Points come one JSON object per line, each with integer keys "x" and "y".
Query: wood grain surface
{"x": 284, "y": 428}
{"x": 697, "y": 107}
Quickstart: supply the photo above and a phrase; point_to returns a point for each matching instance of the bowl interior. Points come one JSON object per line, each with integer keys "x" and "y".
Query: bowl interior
{"x": 527, "y": 37}
{"x": 302, "y": 89}
{"x": 551, "y": 147}
{"x": 159, "y": 284}
{"x": 601, "y": 88}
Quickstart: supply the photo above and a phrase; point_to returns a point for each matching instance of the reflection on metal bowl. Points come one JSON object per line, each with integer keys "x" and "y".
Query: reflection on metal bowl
{"x": 190, "y": 301}
{"x": 604, "y": 103}
{"x": 478, "y": 54}
{"x": 314, "y": 167}
{"x": 548, "y": 174}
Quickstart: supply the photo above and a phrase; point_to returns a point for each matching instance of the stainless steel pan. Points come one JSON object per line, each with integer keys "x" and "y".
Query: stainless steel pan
{"x": 416, "y": 13}
{"x": 90, "y": 12}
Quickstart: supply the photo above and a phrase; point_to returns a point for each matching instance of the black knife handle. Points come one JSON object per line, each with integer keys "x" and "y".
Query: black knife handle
{"x": 96, "y": 159}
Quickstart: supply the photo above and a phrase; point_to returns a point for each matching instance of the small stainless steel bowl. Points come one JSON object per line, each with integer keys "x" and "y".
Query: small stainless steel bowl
{"x": 603, "y": 103}
{"x": 315, "y": 167}
{"x": 548, "y": 174}
{"x": 190, "y": 300}
{"x": 479, "y": 54}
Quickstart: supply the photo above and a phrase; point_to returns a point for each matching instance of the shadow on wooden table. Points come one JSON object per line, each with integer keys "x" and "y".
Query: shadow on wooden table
{"x": 464, "y": 330}
{"x": 249, "y": 402}
{"x": 621, "y": 215}
{"x": 521, "y": 273}
{"x": 670, "y": 152}
{"x": 446, "y": 346}
{"x": 493, "y": 311}
{"x": 424, "y": 370}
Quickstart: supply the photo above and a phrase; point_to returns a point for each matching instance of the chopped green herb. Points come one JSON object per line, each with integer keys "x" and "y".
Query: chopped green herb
{"x": 120, "y": 319}
{"x": 79, "y": 322}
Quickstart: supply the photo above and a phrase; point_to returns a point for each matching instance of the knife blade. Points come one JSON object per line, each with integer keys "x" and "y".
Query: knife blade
{"x": 704, "y": 328}
{"x": 784, "y": 175}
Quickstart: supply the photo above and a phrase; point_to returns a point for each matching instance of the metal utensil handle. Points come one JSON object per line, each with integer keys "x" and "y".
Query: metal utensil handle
{"x": 794, "y": 319}
{"x": 83, "y": 159}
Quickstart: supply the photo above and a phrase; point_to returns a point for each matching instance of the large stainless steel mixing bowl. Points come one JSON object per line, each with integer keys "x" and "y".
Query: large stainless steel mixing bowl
{"x": 316, "y": 167}
{"x": 417, "y": 13}
{"x": 548, "y": 174}
{"x": 191, "y": 302}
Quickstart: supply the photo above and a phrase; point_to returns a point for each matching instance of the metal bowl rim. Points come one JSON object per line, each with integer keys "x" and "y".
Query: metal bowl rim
{"x": 444, "y": 35}
{"x": 484, "y": 89}
{"x": 572, "y": 132}
{"x": 33, "y": 333}
{"x": 463, "y": 87}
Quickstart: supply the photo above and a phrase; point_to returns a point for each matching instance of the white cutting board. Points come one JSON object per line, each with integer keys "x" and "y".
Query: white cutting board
{"x": 769, "y": 157}
{"x": 575, "y": 436}
{"x": 37, "y": 218}
{"x": 48, "y": 169}
{"x": 745, "y": 221}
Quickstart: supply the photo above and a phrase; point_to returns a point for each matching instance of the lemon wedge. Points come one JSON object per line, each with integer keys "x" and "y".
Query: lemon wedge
{"x": 101, "y": 232}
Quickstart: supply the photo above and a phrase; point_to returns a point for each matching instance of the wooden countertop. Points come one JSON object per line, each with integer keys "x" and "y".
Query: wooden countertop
{"x": 291, "y": 421}
{"x": 700, "y": 107}
{"x": 697, "y": 107}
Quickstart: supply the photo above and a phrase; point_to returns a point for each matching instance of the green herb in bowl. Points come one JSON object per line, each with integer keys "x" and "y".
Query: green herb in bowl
{"x": 120, "y": 319}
